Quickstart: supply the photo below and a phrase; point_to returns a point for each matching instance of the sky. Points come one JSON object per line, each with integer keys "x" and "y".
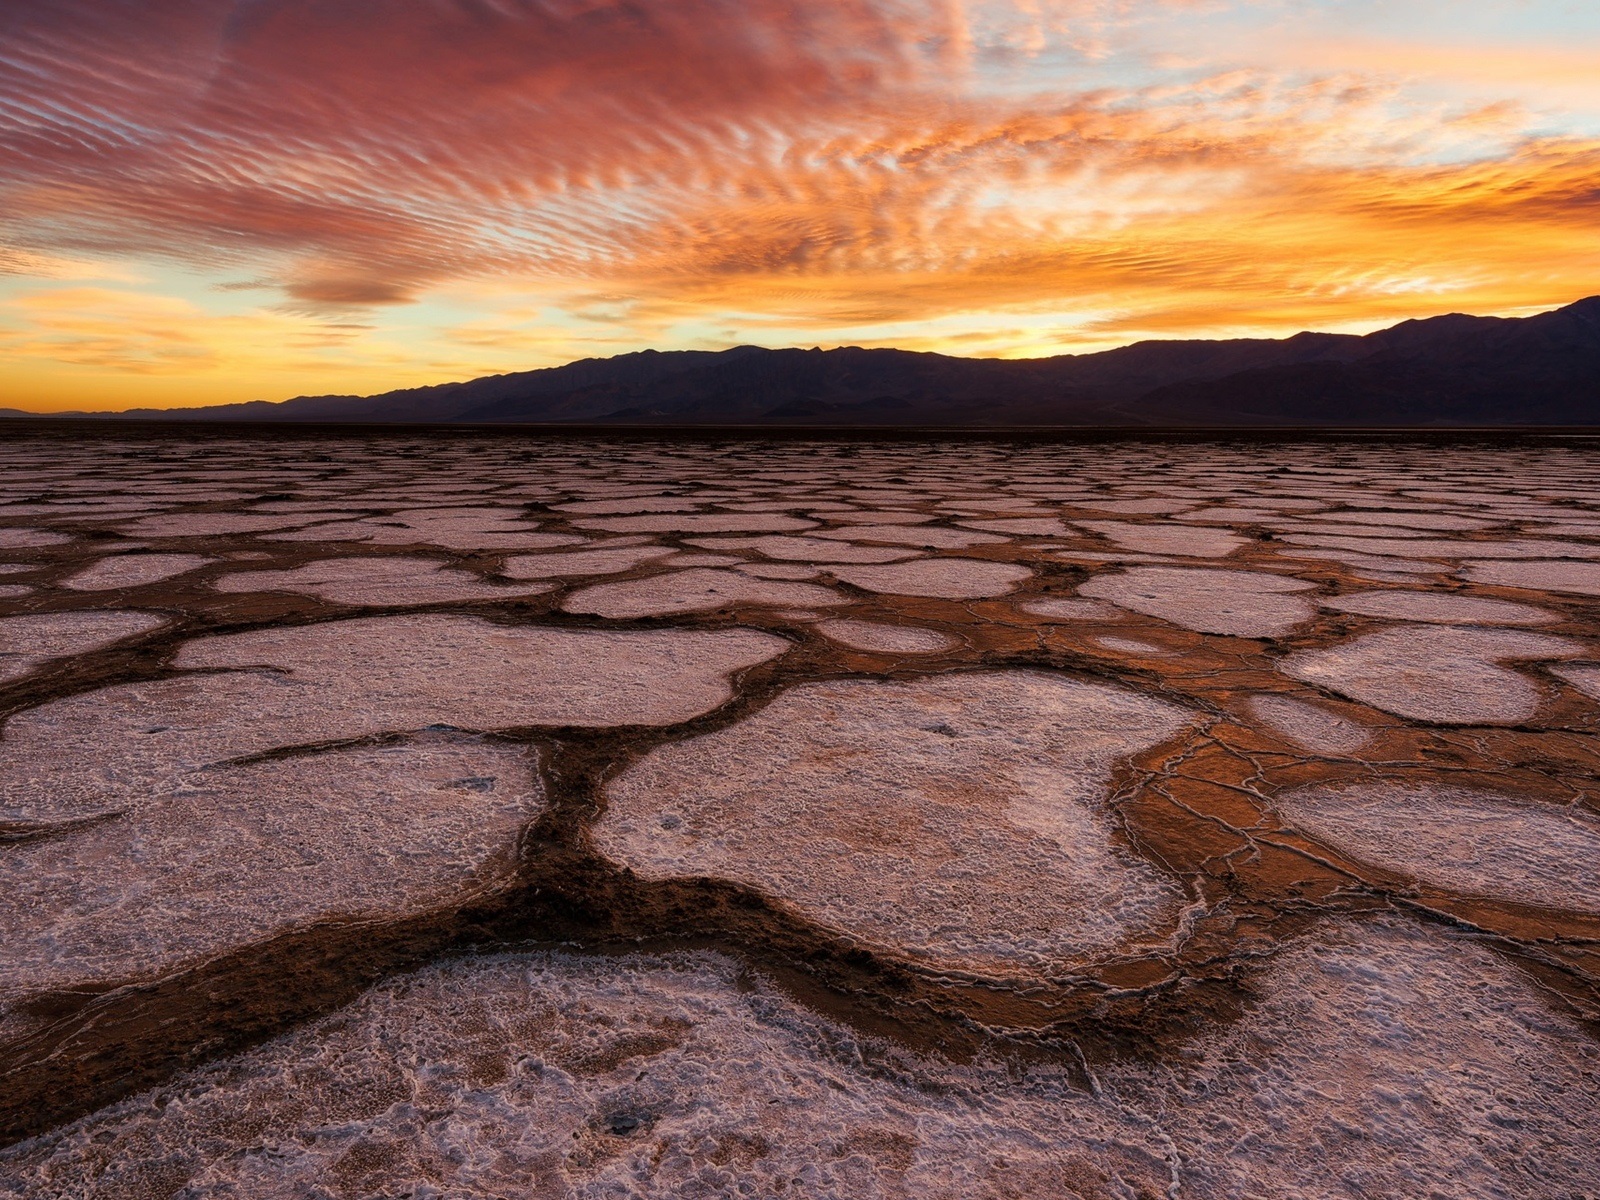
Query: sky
{"x": 205, "y": 201}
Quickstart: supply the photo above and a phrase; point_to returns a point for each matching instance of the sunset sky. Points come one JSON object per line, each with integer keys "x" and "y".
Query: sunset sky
{"x": 204, "y": 201}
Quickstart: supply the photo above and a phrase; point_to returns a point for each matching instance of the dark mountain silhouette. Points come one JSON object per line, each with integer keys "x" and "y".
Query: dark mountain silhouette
{"x": 1444, "y": 371}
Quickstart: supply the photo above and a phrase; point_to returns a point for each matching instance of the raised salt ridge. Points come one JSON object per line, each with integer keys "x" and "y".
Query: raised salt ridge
{"x": 958, "y": 820}
{"x": 1376, "y": 1060}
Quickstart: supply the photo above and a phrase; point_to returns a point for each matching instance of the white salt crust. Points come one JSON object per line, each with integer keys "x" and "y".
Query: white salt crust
{"x": 1473, "y": 842}
{"x": 1439, "y": 608}
{"x": 1238, "y": 603}
{"x": 604, "y": 561}
{"x": 1069, "y": 609}
{"x": 1312, "y": 726}
{"x": 1428, "y": 673}
{"x": 888, "y": 639}
{"x": 1581, "y": 578}
{"x": 1375, "y": 1060}
{"x": 807, "y": 549}
{"x": 394, "y": 580}
{"x": 695, "y": 590}
{"x": 946, "y": 578}
{"x": 27, "y": 642}
{"x": 133, "y": 570}
{"x": 14, "y": 591}
{"x": 1151, "y": 538}
{"x": 213, "y": 858}
{"x": 956, "y": 820}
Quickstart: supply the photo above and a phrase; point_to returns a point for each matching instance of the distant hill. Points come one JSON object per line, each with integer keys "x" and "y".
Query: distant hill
{"x": 1444, "y": 371}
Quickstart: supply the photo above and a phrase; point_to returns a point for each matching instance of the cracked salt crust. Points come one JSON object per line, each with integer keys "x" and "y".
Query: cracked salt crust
{"x": 339, "y": 680}
{"x": 921, "y": 537}
{"x": 1023, "y": 526}
{"x": 1439, "y": 608}
{"x": 1154, "y": 505}
{"x": 1377, "y": 1060}
{"x": 888, "y": 639}
{"x": 1186, "y": 540}
{"x": 459, "y": 528}
{"x": 715, "y": 522}
{"x": 27, "y": 642}
{"x": 133, "y": 570}
{"x": 945, "y": 578}
{"x": 695, "y": 590}
{"x": 1238, "y": 603}
{"x": 215, "y": 524}
{"x": 601, "y": 561}
{"x": 1312, "y": 726}
{"x": 1449, "y": 522}
{"x": 213, "y": 858}
{"x": 807, "y": 549}
{"x": 957, "y": 820}
{"x": 1449, "y": 675}
{"x": 1473, "y": 842}
{"x": 1439, "y": 548}
{"x": 629, "y": 506}
{"x": 377, "y": 581}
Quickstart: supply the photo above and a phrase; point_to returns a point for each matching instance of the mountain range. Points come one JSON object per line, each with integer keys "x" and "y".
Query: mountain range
{"x": 1453, "y": 370}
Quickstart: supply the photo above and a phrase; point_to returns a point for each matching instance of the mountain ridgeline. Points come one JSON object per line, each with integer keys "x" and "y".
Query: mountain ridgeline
{"x": 1443, "y": 371}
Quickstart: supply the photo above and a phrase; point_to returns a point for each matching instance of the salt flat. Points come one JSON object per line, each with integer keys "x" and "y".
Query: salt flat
{"x": 477, "y": 816}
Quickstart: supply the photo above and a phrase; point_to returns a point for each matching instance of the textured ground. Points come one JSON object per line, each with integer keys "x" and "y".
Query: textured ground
{"x": 491, "y": 816}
